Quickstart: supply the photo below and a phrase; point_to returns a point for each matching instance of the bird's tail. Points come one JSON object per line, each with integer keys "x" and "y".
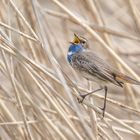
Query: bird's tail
{"x": 126, "y": 79}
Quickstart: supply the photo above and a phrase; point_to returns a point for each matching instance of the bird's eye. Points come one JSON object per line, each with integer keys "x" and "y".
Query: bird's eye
{"x": 83, "y": 42}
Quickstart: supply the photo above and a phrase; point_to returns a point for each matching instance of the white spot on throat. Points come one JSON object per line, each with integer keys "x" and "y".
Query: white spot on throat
{"x": 70, "y": 53}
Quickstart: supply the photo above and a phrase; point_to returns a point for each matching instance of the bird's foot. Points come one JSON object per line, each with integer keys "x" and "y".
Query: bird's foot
{"x": 81, "y": 99}
{"x": 103, "y": 109}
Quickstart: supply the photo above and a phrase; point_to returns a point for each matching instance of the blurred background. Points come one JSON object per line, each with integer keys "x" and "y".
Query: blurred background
{"x": 39, "y": 89}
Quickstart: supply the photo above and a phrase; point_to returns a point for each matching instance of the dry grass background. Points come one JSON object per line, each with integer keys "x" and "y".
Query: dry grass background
{"x": 38, "y": 88}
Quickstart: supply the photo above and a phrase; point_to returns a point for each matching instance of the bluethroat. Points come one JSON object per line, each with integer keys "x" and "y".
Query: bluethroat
{"x": 93, "y": 68}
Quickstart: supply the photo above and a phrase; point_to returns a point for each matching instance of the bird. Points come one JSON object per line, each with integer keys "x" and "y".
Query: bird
{"x": 93, "y": 68}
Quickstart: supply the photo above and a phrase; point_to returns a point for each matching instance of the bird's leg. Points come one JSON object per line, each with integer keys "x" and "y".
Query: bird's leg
{"x": 105, "y": 88}
{"x": 84, "y": 95}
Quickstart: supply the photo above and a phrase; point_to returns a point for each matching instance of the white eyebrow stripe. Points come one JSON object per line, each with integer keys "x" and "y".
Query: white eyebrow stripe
{"x": 70, "y": 53}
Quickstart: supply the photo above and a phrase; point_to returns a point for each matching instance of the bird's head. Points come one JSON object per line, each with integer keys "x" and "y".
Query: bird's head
{"x": 78, "y": 44}
{"x": 79, "y": 40}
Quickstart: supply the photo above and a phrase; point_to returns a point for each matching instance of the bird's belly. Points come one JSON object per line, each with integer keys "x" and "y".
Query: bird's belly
{"x": 93, "y": 78}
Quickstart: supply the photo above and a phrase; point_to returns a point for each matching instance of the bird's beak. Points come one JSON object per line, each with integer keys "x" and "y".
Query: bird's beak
{"x": 71, "y": 42}
{"x": 76, "y": 39}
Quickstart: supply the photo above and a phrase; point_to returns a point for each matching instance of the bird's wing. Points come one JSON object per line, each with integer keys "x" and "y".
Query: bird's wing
{"x": 92, "y": 64}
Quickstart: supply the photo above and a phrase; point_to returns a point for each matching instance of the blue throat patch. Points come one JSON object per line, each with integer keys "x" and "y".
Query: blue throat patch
{"x": 74, "y": 48}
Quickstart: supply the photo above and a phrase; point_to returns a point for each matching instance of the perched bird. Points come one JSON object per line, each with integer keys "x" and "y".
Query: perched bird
{"x": 93, "y": 68}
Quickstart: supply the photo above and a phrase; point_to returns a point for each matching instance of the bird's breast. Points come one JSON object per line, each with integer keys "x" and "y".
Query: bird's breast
{"x": 91, "y": 77}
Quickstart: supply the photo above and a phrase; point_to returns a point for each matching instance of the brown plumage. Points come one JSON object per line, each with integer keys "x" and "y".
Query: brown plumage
{"x": 96, "y": 68}
{"x": 93, "y": 68}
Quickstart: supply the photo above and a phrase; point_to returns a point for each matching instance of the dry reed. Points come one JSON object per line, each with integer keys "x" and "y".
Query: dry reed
{"x": 38, "y": 88}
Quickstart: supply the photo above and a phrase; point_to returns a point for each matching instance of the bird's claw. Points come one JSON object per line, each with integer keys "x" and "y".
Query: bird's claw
{"x": 80, "y": 100}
